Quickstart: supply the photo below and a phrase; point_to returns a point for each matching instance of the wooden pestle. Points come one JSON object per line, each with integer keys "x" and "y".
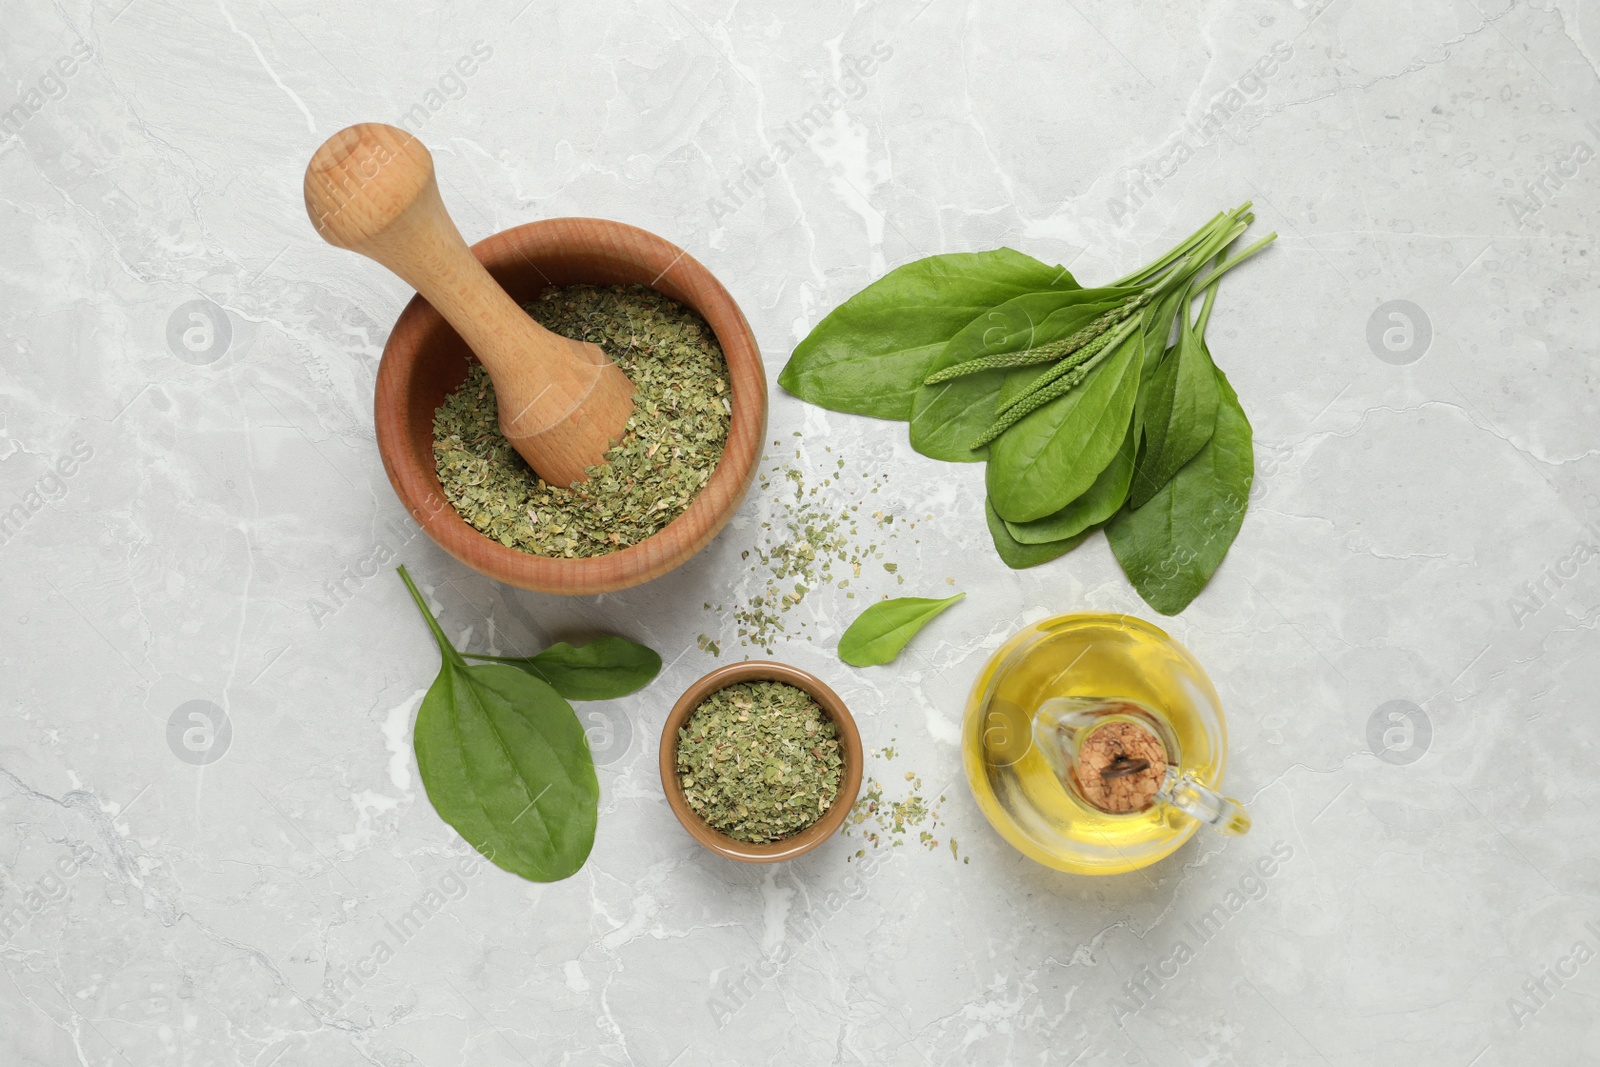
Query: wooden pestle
{"x": 371, "y": 188}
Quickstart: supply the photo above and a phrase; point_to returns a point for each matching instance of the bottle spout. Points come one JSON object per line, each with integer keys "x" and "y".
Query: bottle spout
{"x": 1223, "y": 814}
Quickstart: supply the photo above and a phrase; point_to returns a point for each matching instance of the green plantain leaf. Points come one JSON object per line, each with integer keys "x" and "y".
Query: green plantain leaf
{"x": 1172, "y": 546}
{"x": 1158, "y": 322}
{"x": 1015, "y": 554}
{"x": 603, "y": 669}
{"x": 1097, "y": 504}
{"x": 946, "y": 417}
{"x": 1053, "y": 455}
{"x": 880, "y": 632}
{"x": 1180, "y": 409}
{"x": 505, "y": 761}
{"x": 870, "y": 354}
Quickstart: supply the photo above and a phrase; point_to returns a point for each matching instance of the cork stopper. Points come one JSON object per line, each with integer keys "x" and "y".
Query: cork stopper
{"x": 1120, "y": 767}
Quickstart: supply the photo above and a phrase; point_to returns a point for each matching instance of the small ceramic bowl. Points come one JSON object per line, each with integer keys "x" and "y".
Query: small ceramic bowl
{"x": 425, "y": 359}
{"x": 811, "y": 836}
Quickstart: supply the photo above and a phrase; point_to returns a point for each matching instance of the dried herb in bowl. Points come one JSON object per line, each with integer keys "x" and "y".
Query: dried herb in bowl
{"x": 682, "y": 408}
{"x": 759, "y": 761}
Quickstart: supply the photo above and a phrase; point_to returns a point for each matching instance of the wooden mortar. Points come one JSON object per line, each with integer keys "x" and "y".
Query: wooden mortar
{"x": 426, "y": 359}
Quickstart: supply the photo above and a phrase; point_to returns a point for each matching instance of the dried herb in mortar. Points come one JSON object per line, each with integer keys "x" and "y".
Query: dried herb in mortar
{"x": 759, "y": 761}
{"x": 682, "y": 406}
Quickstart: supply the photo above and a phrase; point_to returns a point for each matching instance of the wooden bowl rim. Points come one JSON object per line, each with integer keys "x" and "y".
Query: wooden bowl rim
{"x": 849, "y": 744}
{"x": 417, "y": 483}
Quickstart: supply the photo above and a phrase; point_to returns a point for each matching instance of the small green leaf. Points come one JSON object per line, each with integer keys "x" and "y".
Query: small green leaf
{"x": 1015, "y": 554}
{"x": 603, "y": 669}
{"x": 880, "y": 632}
{"x": 1097, "y": 504}
{"x": 870, "y": 354}
{"x": 1171, "y": 547}
{"x": 1054, "y": 454}
{"x": 505, "y": 762}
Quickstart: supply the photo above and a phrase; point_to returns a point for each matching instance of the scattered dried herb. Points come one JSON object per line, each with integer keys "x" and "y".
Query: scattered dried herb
{"x": 673, "y": 441}
{"x": 884, "y": 822}
{"x": 759, "y": 761}
{"x": 813, "y": 536}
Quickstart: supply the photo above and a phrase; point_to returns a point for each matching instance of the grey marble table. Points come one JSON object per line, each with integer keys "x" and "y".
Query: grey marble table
{"x": 210, "y": 815}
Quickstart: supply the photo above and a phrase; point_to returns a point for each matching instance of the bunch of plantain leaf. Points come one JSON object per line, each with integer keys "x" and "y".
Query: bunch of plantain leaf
{"x": 1094, "y": 408}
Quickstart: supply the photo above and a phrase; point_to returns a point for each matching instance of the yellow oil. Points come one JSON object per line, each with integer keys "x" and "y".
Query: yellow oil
{"x": 1086, "y": 655}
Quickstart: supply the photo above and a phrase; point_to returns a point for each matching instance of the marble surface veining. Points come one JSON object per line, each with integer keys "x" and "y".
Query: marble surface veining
{"x": 210, "y": 814}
